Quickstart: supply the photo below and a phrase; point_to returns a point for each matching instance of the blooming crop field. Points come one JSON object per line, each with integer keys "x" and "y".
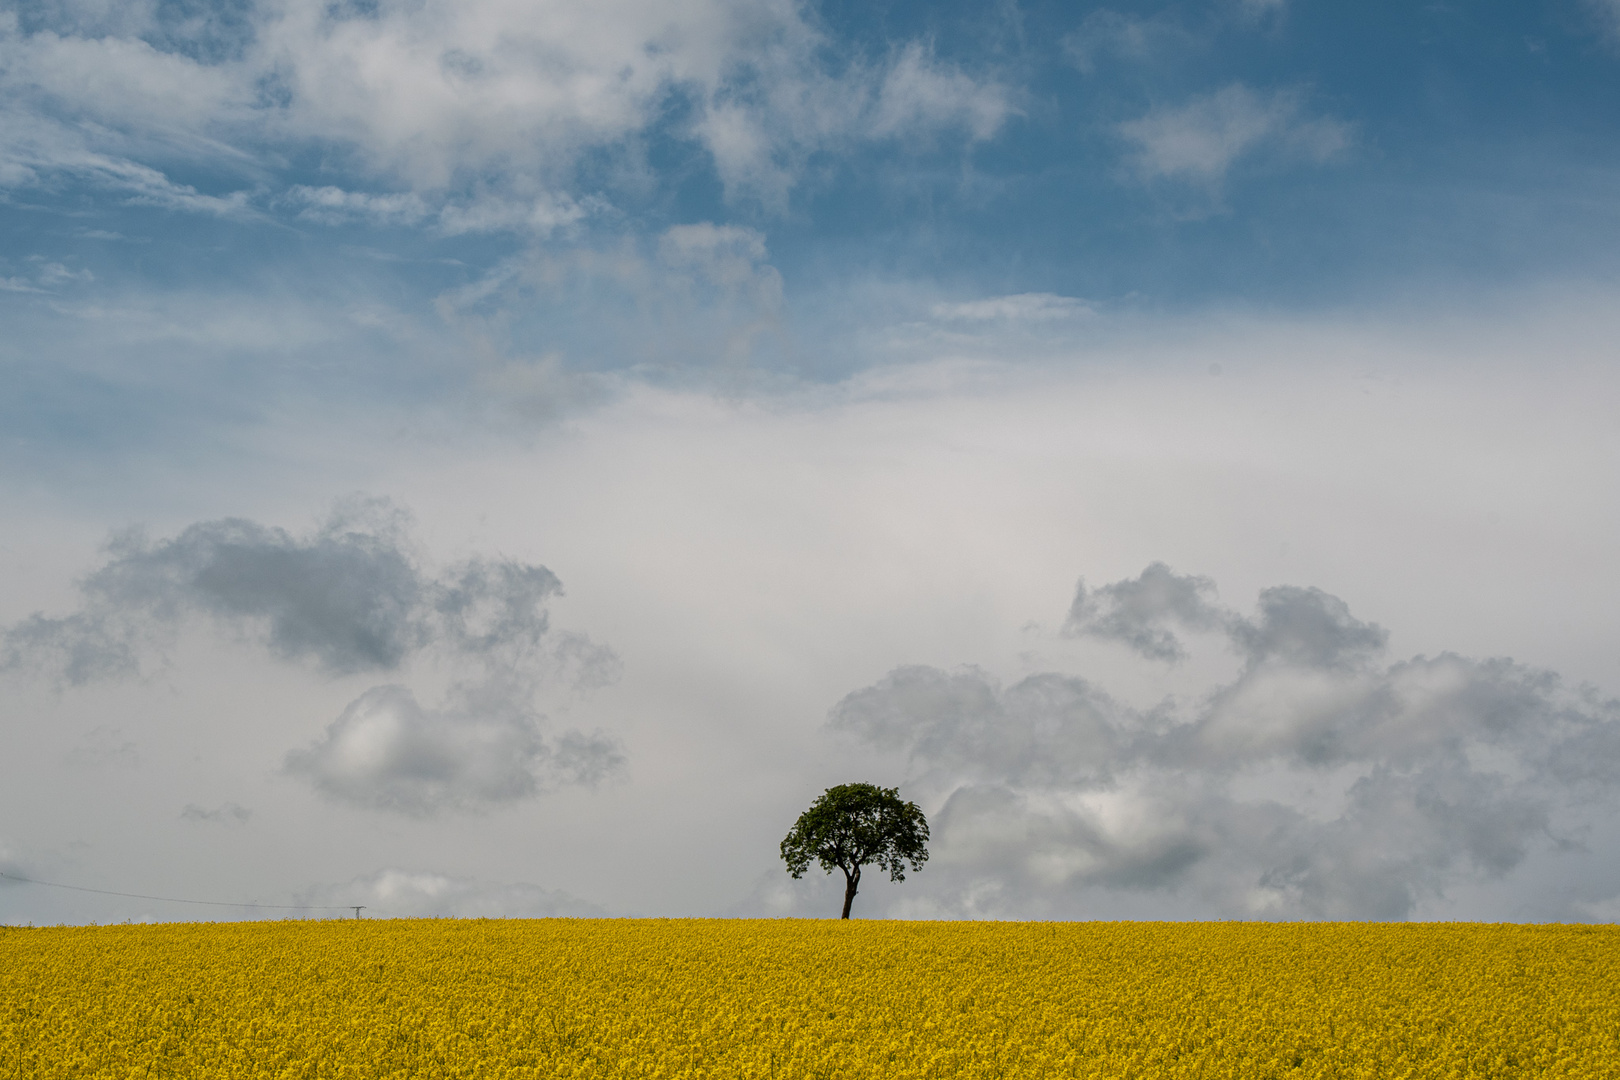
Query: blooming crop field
{"x": 735, "y": 998}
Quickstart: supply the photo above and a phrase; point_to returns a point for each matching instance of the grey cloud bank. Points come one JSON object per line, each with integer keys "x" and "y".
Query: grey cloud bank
{"x": 1320, "y": 783}
{"x": 756, "y": 561}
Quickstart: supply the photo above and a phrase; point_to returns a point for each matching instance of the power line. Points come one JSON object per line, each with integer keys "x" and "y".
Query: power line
{"x": 179, "y": 900}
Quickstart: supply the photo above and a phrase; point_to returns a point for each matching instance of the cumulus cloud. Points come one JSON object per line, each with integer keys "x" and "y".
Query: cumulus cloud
{"x": 1140, "y": 612}
{"x": 1048, "y": 729}
{"x": 393, "y": 893}
{"x": 1301, "y": 627}
{"x": 351, "y": 596}
{"x": 354, "y": 596}
{"x": 483, "y": 749}
{"x": 1306, "y": 628}
{"x": 493, "y": 96}
{"x": 1323, "y": 781}
{"x": 1201, "y": 139}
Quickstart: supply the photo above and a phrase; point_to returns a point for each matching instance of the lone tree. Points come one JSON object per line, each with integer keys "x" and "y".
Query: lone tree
{"x": 853, "y": 825}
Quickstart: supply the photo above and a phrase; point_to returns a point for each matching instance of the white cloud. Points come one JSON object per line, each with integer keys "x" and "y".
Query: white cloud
{"x": 1256, "y": 8}
{"x": 1018, "y": 307}
{"x": 54, "y": 273}
{"x": 35, "y": 163}
{"x": 725, "y": 259}
{"x": 500, "y": 97}
{"x": 116, "y": 78}
{"x": 1201, "y": 139}
{"x": 761, "y": 137}
{"x": 37, "y": 151}
{"x": 1106, "y": 33}
{"x": 918, "y": 93}
{"x": 333, "y": 205}
{"x": 45, "y": 276}
{"x": 542, "y": 214}
{"x": 699, "y": 295}
{"x": 1607, "y": 12}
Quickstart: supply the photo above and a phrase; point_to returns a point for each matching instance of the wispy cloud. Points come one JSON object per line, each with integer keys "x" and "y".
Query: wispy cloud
{"x": 1201, "y": 139}
{"x": 1105, "y": 34}
{"x": 1255, "y": 8}
{"x": 762, "y": 133}
{"x": 40, "y": 152}
{"x": 1607, "y": 14}
{"x": 334, "y": 205}
{"x": 918, "y": 93}
{"x": 433, "y": 99}
{"x": 1018, "y": 307}
{"x": 700, "y": 296}
{"x": 540, "y": 215}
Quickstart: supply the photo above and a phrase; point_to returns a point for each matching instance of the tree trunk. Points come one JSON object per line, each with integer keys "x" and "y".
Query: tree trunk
{"x": 852, "y": 883}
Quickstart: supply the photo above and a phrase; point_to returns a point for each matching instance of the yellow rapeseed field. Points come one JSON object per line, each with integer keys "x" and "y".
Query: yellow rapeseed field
{"x": 802, "y": 999}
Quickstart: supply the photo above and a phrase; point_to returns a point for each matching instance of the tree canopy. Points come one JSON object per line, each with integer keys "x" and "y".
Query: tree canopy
{"x": 856, "y": 825}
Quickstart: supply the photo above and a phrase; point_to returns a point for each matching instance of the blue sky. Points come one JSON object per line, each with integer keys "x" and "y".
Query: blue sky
{"x": 1290, "y": 157}
{"x": 1278, "y": 156}
{"x": 818, "y": 351}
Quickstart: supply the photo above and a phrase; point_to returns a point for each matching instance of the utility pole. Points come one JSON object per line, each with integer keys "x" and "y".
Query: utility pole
{"x": 358, "y": 908}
